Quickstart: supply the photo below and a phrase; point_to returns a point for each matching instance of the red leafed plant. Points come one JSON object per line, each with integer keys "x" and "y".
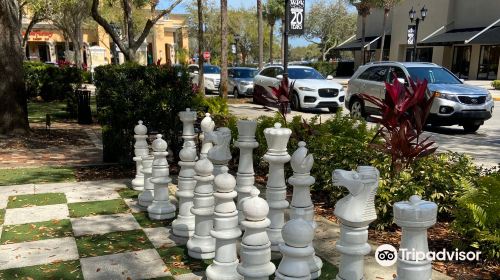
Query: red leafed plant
{"x": 404, "y": 111}
{"x": 282, "y": 94}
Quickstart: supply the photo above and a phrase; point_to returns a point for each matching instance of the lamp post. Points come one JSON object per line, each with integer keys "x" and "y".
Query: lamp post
{"x": 236, "y": 41}
{"x": 412, "y": 13}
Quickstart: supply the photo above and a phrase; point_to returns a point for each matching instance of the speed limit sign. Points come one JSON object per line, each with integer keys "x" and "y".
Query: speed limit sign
{"x": 296, "y": 15}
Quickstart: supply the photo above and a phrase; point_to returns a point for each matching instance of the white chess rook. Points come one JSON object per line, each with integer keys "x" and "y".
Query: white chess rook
{"x": 255, "y": 251}
{"x": 160, "y": 208}
{"x": 140, "y": 149}
{"x": 355, "y": 211}
{"x": 297, "y": 251}
{"x": 219, "y": 154}
{"x": 226, "y": 230}
{"x": 183, "y": 225}
{"x": 146, "y": 197}
{"x": 202, "y": 245}
{"x": 245, "y": 177}
{"x": 277, "y": 140}
{"x": 302, "y": 206}
{"x": 414, "y": 217}
{"x": 188, "y": 118}
{"x": 207, "y": 126}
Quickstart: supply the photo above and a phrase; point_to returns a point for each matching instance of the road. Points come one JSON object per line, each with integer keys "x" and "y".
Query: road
{"x": 483, "y": 146}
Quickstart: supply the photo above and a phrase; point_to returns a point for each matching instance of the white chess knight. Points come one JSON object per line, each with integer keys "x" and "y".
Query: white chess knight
{"x": 140, "y": 149}
{"x": 207, "y": 126}
{"x": 302, "y": 206}
{"x": 220, "y": 153}
{"x": 355, "y": 211}
{"x": 160, "y": 208}
{"x": 188, "y": 118}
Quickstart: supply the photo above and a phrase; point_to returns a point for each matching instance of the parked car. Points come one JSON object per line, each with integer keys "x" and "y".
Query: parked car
{"x": 456, "y": 103}
{"x": 240, "y": 80}
{"x": 211, "y": 74}
{"x": 310, "y": 90}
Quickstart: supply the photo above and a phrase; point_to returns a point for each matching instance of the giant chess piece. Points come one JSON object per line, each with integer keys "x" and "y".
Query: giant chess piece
{"x": 184, "y": 223}
{"x": 226, "y": 230}
{"x": 414, "y": 217}
{"x": 140, "y": 149}
{"x": 277, "y": 140}
{"x": 207, "y": 126}
{"x": 160, "y": 208}
{"x": 188, "y": 118}
{"x": 255, "y": 251}
{"x": 355, "y": 211}
{"x": 146, "y": 197}
{"x": 219, "y": 154}
{"x": 302, "y": 206}
{"x": 245, "y": 177}
{"x": 297, "y": 251}
{"x": 202, "y": 245}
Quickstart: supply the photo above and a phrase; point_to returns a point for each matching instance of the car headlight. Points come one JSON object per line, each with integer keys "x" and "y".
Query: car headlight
{"x": 489, "y": 97}
{"x": 306, "y": 89}
{"x": 446, "y": 96}
{"x": 342, "y": 89}
{"x": 245, "y": 83}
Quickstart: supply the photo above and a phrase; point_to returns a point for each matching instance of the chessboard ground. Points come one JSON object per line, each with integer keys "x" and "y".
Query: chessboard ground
{"x": 90, "y": 230}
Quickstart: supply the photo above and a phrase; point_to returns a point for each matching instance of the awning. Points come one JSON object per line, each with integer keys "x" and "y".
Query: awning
{"x": 356, "y": 44}
{"x": 492, "y": 36}
{"x": 460, "y": 36}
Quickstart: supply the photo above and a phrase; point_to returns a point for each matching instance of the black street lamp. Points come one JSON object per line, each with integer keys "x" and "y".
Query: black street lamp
{"x": 412, "y": 13}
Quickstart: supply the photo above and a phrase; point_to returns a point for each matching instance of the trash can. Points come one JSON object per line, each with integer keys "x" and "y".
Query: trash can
{"x": 84, "y": 113}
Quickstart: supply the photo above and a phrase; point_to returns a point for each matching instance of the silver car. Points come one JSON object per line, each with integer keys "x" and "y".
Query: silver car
{"x": 456, "y": 103}
{"x": 240, "y": 80}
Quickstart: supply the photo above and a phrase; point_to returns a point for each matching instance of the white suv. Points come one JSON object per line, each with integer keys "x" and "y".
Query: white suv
{"x": 311, "y": 89}
{"x": 211, "y": 75}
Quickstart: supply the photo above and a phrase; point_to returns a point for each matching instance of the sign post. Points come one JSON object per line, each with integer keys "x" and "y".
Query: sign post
{"x": 294, "y": 19}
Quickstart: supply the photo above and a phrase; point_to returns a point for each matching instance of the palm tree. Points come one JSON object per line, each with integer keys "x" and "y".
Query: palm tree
{"x": 201, "y": 79}
{"x": 223, "y": 22}
{"x": 274, "y": 11}
{"x": 260, "y": 33}
{"x": 387, "y": 6}
{"x": 363, "y": 7}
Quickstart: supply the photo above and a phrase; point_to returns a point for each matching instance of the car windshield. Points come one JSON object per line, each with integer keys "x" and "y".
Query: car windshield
{"x": 244, "y": 73}
{"x": 211, "y": 69}
{"x": 433, "y": 75}
{"x": 304, "y": 73}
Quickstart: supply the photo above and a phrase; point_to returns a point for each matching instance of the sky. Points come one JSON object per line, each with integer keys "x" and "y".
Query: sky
{"x": 181, "y": 8}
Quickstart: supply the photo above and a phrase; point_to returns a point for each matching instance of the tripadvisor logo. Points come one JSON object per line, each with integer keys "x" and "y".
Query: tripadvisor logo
{"x": 387, "y": 255}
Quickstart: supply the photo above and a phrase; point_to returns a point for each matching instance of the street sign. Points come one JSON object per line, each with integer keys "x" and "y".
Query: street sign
{"x": 206, "y": 55}
{"x": 233, "y": 48}
{"x": 296, "y": 15}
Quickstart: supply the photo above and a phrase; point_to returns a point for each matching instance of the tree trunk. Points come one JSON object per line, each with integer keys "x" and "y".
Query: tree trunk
{"x": 282, "y": 40}
{"x": 223, "y": 22}
{"x": 271, "y": 43}
{"x": 34, "y": 20}
{"x": 363, "y": 35}
{"x": 386, "y": 14}
{"x": 77, "y": 39}
{"x": 260, "y": 34}
{"x": 13, "y": 108}
{"x": 201, "y": 79}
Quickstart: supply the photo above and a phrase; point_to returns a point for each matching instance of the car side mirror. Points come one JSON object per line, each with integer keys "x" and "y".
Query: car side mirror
{"x": 401, "y": 80}
{"x": 195, "y": 72}
{"x": 329, "y": 77}
{"x": 462, "y": 80}
{"x": 279, "y": 77}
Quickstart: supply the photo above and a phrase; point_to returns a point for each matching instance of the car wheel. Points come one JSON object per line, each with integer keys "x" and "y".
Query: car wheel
{"x": 295, "y": 102}
{"x": 357, "y": 109}
{"x": 236, "y": 93}
{"x": 471, "y": 128}
{"x": 333, "y": 109}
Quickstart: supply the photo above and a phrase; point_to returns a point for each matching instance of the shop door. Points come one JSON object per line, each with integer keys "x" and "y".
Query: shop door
{"x": 488, "y": 62}
{"x": 43, "y": 53}
{"x": 461, "y": 61}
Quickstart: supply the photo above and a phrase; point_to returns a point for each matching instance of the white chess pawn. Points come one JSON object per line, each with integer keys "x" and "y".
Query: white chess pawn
{"x": 146, "y": 197}
{"x": 277, "y": 155}
{"x": 140, "y": 149}
{"x": 183, "y": 225}
{"x": 188, "y": 118}
{"x": 202, "y": 245}
{"x": 296, "y": 250}
{"x": 160, "y": 208}
{"x": 220, "y": 153}
{"x": 302, "y": 206}
{"x": 255, "y": 251}
{"x": 226, "y": 230}
{"x": 207, "y": 126}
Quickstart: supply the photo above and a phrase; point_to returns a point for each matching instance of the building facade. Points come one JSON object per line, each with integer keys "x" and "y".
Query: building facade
{"x": 167, "y": 39}
{"x": 461, "y": 35}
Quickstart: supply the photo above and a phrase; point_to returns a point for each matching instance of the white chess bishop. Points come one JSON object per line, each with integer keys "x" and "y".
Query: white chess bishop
{"x": 140, "y": 149}
{"x": 207, "y": 126}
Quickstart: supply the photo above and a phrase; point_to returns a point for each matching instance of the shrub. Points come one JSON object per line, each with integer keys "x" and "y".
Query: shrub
{"x": 129, "y": 92}
{"x": 325, "y": 68}
{"x": 477, "y": 216}
{"x": 496, "y": 84}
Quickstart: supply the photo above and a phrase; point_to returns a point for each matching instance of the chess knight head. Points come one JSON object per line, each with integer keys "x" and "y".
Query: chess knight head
{"x": 207, "y": 124}
{"x": 221, "y": 138}
{"x": 301, "y": 162}
{"x": 277, "y": 139}
{"x": 357, "y": 208}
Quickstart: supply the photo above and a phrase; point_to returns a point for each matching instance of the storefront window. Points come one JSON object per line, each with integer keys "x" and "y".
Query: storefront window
{"x": 423, "y": 54}
{"x": 370, "y": 56}
{"x": 488, "y": 62}
{"x": 461, "y": 61}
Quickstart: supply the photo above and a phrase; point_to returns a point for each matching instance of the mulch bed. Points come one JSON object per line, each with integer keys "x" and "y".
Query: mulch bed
{"x": 104, "y": 172}
{"x": 41, "y": 138}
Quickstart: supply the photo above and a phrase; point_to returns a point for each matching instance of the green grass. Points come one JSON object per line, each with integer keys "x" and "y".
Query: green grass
{"x": 179, "y": 262}
{"x": 112, "y": 243}
{"x": 57, "y": 110}
{"x": 107, "y": 207}
{"x": 36, "y": 231}
{"x": 145, "y": 222}
{"x": 128, "y": 193}
{"x": 2, "y": 215}
{"x": 36, "y": 175}
{"x": 28, "y": 200}
{"x": 56, "y": 270}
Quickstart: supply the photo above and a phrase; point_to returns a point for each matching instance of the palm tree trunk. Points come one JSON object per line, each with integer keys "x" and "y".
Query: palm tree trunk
{"x": 386, "y": 14}
{"x": 271, "y": 43}
{"x": 283, "y": 39}
{"x": 201, "y": 79}
{"x": 223, "y": 22}
{"x": 260, "y": 34}
{"x": 363, "y": 35}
